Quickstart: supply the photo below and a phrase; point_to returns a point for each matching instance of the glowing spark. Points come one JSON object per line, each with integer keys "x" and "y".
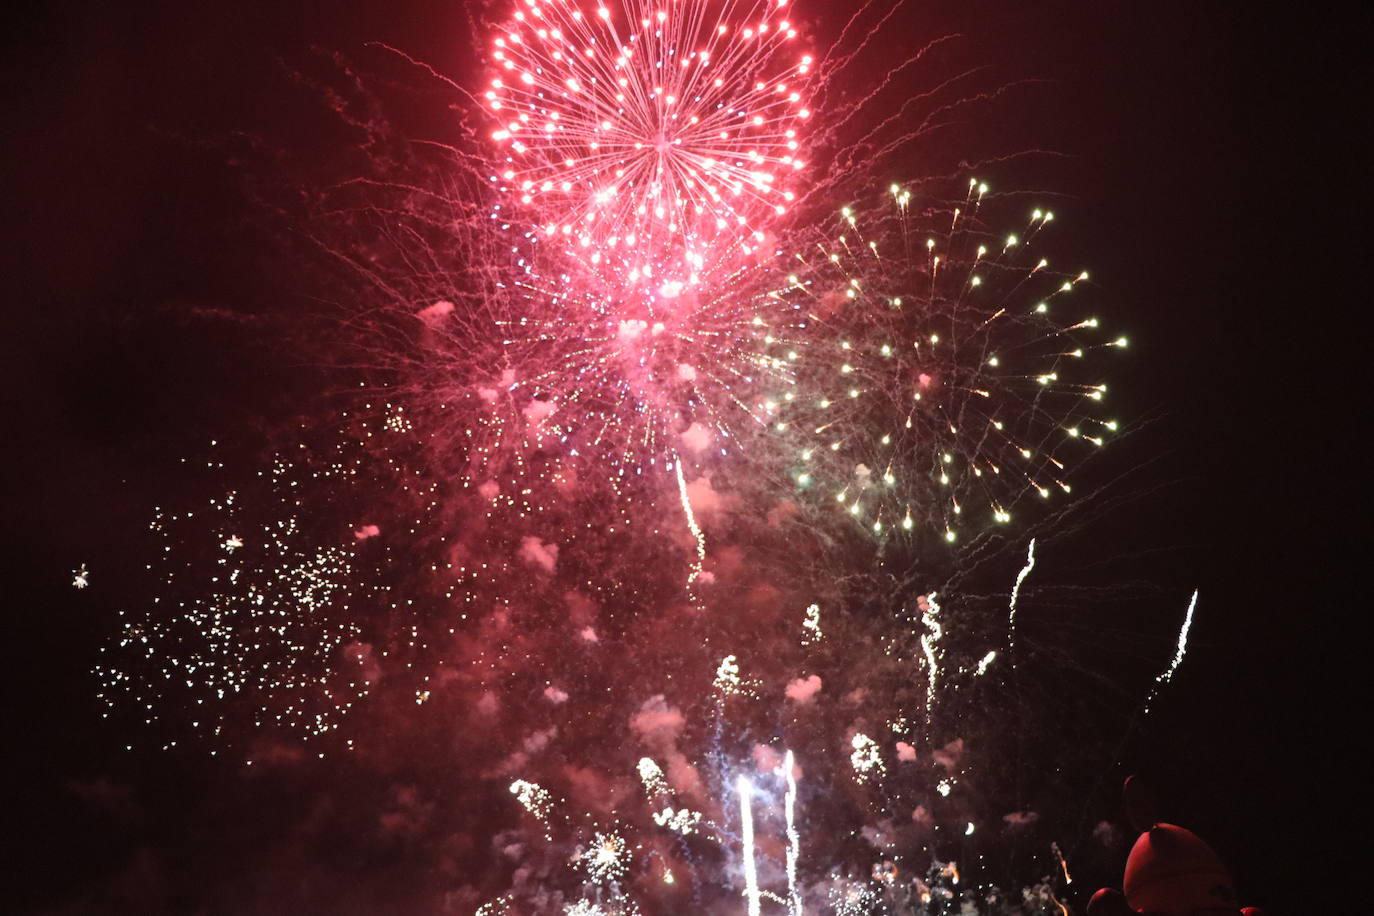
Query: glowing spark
{"x": 260, "y": 639}
{"x": 605, "y": 859}
{"x": 80, "y": 577}
{"x": 984, "y": 663}
{"x": 728, "y": 682}
{"x": 681, "y": 821}
{"x": 649, "y": 137}
{"x": 498, "y": 907}
{"x": 940, "y": 389}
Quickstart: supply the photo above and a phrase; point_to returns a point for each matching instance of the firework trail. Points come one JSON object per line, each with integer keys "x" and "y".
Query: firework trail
{"x": 744, "y": 788}
{"x": 1011, "y": 603}
{"x": 793, "y": 839}
{"x": 1182, "y": 647}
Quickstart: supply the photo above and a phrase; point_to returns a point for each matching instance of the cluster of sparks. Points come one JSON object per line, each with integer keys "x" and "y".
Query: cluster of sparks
{"x": 267, "y": 595}
{"x": 267, "y": 626}
{"x": 605, "y": 858}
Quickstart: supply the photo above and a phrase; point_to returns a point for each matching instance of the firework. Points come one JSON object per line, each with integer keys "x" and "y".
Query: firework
{"x": 606, "y": 858}
{"x": 653, "y": 137}
{"x": 630, "y": 306}
{"x": 946, "y": 375}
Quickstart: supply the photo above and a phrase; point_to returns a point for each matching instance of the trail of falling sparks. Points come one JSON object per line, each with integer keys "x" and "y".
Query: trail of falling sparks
{"x": 745, "y": 788}
{"x": 928, "y": 641}
{"x": 692, "y": 524}
{"x": 1015, "y": 594}
{"x": 793, "y": 840}
{"x": 1167, "y": 674}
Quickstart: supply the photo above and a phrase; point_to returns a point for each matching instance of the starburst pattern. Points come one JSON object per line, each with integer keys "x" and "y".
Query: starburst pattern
{"x": 949, "y": 373}
{"x": 649, "y": 135}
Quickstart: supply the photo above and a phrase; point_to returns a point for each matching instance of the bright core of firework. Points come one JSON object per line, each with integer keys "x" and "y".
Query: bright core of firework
{"x": 648, "y": 134}
{"x": 606, "y": 858}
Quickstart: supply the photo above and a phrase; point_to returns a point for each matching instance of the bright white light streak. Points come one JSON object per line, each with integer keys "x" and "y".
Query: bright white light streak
{"x": 1016, "y": 594}
{"x": 793, "y": 840}
{"x": 983, "y": 665}
{"x": 928, "y": 641}
{"x": 1167, "y": 674}
{"x": 745, "y": 788}
{"x": 692, "y": 524}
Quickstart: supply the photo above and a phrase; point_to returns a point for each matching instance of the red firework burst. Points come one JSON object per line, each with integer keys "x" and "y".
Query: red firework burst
{"x": 649, "y": 136}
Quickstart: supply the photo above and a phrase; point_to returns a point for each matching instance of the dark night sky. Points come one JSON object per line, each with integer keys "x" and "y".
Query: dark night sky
{"x": 1197, "y": 199}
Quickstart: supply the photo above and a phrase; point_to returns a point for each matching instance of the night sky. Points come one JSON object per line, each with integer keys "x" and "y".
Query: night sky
{"x": 1182, "y": 149}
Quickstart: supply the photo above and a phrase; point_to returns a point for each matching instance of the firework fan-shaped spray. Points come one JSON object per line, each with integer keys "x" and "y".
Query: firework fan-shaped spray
{"x": 648, "y": 136}
{"x": 950, "y": 373}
